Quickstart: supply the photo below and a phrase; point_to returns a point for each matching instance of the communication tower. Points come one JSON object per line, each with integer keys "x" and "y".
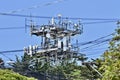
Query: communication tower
{"x": 56, "y": 43}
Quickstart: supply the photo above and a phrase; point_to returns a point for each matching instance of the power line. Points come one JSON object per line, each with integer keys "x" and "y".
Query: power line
{"x": 93, "y": 52}
{"x": 96, "y": 40}
{"x": 37, "y": 6}
{"x": 7, "y": 28}
{"x": 6, "y": 56}
{"x": 95, "y": 49}
{"x": 9, "y": 51}
{"x": 20, "y": 50}
{"x": 80, "y": 44}
{"x": 99, "y": 22}
{"x": 11, "y": 28}
{"x": 72, "y": 18}
{"x": 92, "y": 42}
{"x": 94, "y": 45}
{"x": 21, "y": 15}
{"x": 93, "y": 55}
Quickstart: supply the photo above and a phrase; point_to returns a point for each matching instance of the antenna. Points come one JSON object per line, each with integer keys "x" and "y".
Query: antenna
{"x": 56, "y": 39}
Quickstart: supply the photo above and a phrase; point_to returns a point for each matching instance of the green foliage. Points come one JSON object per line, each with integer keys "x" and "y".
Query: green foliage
{"x": 70, "y": 70}
{"x": 10, "y": 75}
{"x": 21, "y": 66}
{"x": 65, "y": 69}
{"x": 110, "y": 67}
{"x": 2, "y": 64}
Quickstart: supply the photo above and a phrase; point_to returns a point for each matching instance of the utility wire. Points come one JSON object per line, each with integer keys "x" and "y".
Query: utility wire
{"x": 20, "y": 50}
{"x": 80, "y": 44}
{"x": 49, "y": 17}
{"x": 10, "y": 51}
{"x": 93, "y": 54}
{"x": 96, "y": 49}
{"x": 6, "y": 56}
{"x": 21, "y": 15}
{"x": 91, "y": 42}
{"x": 99, "y": 22}
{"x": 7, "y": 28}
{"x": 38, "y": 6}
{"x": 96, "y": 40}
{"x": 11, "y": 28}
{"x": 94, "y": 45}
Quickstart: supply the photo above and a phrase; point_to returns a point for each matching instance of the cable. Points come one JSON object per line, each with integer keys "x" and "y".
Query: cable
{"x": 6, "y": 57}
{"x": 88, "y": 43}
{"x": 99, "y": 22}
{"x": 81, "y": 44}
{"x": 48, "y": 17}
{"x": 7, "y": 28}
{"x": 93, "y": 54}
{"x": 9, "y": 51}
{"x": 20, "y": 50}
{"x": 97, "y": 49}
{"x": 19, "y": 15}
{"x": 2, "y": 53}
{"x": 107, "y": 40}
{"x": 94, "y": 41}
{"x": 93, "y": 46}
{"x": 98, "y": 41}
{"x": 37, "y": 6}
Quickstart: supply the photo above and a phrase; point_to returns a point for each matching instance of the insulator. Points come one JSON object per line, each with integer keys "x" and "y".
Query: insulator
{"x": 64, "y": 48}
{"x": 52, "y": 21}
{"x": 34, "y": 49}
{"x": 59, "y": 44}
{"x": 64, "y": 45}
{"x": 69, "y": 45}
{"x": 48, "y": 35}
{"x": 42, "y": 28}
{"x": 30, "y": 51}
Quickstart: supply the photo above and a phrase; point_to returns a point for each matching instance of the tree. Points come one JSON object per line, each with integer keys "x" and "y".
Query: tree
{"x": 10, "y": 75}
{"x": 67, "y": 68}
{"x": 1, "y": 63}
{"x": 21, "y": 65}
{"x": 110, "y": 67}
